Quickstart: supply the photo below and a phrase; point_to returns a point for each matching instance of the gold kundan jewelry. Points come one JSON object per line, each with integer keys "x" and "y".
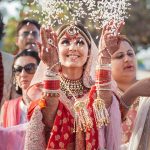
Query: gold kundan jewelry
{"x": 82, "y": 121}
{"x": 75, "y": 86}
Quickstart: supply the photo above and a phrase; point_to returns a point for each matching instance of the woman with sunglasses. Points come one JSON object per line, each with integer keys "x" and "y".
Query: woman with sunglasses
{"x": 25, "y": 65}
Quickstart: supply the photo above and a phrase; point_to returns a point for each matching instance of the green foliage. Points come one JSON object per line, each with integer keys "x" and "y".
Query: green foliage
{"x": 137, "y": 26}
{"x": 9, "y": 39}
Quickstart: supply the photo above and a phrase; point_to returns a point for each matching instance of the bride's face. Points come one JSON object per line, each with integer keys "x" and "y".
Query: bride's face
{"x": 73, "y": 50}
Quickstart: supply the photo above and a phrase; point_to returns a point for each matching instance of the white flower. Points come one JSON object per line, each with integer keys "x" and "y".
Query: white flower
{"x": 100, "y": 12}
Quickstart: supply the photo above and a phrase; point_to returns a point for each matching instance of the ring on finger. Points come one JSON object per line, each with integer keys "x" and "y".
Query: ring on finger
{"x": 50, "y": 42}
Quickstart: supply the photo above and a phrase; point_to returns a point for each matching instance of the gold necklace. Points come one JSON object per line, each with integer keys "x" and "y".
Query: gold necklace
{"x": 75, "y": 86}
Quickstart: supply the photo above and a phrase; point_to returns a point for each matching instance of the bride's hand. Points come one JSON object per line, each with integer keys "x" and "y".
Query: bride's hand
{"x": 48, "y": 52}
{"x": 109, "y": 38}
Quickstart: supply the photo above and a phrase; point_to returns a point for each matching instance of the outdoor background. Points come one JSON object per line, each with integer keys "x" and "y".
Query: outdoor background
{"x": 137, "y": 26}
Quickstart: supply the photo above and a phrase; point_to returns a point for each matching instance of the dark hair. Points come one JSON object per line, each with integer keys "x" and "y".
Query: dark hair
{"x": 1, "y": 27}
{"x": 125, "y": 38}
{"x": 24, "y": 22}
{"x": 26, "y": 52}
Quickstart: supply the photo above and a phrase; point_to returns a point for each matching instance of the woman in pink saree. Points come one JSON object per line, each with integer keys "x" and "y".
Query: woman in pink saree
{"x": 14, "y": 111}
{"x": 134, "y": 107}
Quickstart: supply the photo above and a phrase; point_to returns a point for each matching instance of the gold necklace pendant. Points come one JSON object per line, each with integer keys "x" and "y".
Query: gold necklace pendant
{"x": 73, "y": 88}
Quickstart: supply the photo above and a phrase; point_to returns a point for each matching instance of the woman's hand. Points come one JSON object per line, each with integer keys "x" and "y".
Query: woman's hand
{"x": 48, "y": 47}
{"x": 109, "y": 37}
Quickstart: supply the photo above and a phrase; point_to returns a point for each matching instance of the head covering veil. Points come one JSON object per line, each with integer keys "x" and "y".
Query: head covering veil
{"x": 34, "y": 91}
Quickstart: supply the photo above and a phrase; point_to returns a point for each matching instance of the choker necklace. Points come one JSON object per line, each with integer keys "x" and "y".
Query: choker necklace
{"x": 75, "y": 86}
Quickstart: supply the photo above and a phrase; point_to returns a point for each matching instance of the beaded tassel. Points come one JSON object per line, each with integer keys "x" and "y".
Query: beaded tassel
{"x": 83, "y": 121}
{"x": 101, "y": 113}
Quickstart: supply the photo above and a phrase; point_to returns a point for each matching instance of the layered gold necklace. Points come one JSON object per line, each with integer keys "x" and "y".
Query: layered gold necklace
{"x": 74, "y": 87}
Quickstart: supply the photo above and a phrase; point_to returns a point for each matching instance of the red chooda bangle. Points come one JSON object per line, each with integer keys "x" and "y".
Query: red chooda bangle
{"x": 102, "y": 76}
{"x": 52, "y": 84}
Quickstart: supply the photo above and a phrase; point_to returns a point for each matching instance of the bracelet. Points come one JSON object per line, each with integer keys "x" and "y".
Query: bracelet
{"x": 50, "y": 94}
{"x": 104, "y": 50}
{"x": 50, "y": 73}
{"x": 105, "y": 57}
{"x": 124, "y": 104}
{"x": 49, "y": 69}
{"x": 103, "y": 66}
{"x": 103, "y": 74}
{"x": 51, "y": 84}
{"x": 98, "y": 84}
{"x": 51, "y": 87}
{"x": 104, "y": 89}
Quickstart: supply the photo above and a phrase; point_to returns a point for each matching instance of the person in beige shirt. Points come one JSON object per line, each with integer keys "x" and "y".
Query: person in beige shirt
{"x": 6, "y": 62}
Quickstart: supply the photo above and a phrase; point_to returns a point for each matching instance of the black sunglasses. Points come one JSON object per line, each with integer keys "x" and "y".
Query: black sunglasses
{"x": 29, "y": 68}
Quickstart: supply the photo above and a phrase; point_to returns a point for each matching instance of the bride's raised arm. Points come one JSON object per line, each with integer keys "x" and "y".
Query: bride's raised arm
{"x": 108, "y": 44}
{"x": 48, "y": 48}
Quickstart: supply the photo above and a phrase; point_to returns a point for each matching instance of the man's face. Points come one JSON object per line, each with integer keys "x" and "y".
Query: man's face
{"x": 27, "y": 37}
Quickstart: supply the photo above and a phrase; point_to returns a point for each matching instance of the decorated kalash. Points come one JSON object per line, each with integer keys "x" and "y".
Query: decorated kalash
{"x": 72, "y": 104}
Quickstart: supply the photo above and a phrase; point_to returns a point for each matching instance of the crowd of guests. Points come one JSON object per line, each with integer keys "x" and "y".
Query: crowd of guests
{"x": 62, "y": 92}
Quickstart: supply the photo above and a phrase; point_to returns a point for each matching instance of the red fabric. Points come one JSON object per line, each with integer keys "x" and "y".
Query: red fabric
{"x": 31, "y": 108}
{"x": 62, "y": 132}
{"x": 52, "y": 84}
{"x": 103, "y": 76}
{"x": 62, "y": 129}
{"x": 93, "y": 132}
{"x": 1, "y": 78}
{"x": 11, "y": 112}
